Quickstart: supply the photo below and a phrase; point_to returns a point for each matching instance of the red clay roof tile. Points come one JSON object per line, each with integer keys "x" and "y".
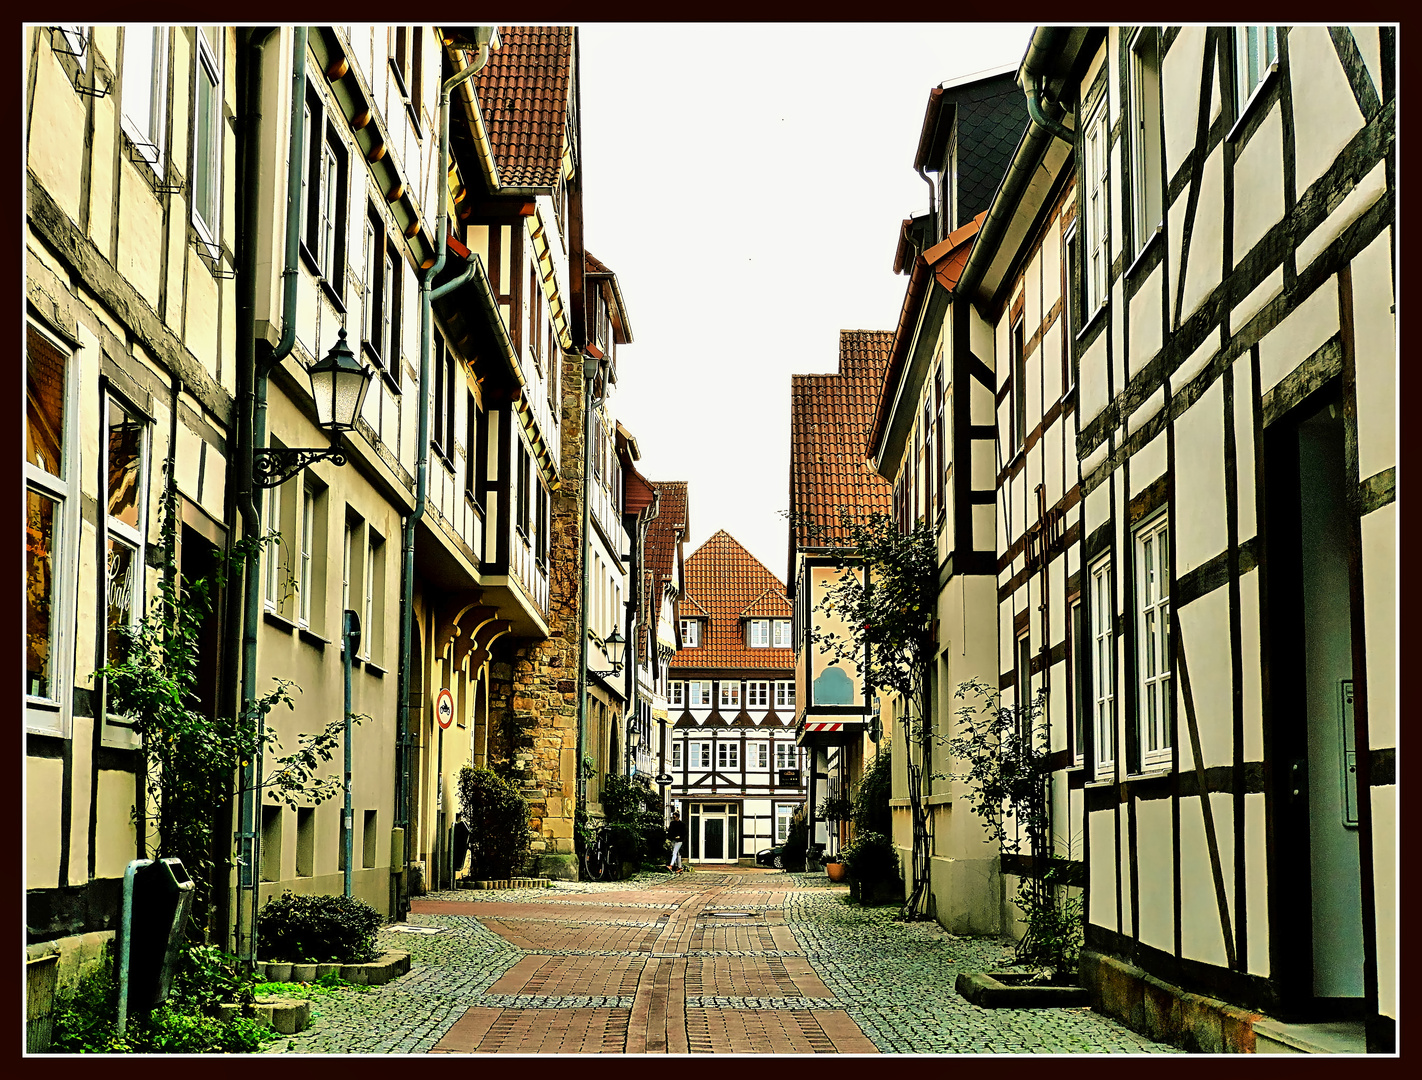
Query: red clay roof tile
{"x": 724, "y": 579}
{"x": 523, "y": 95}
{"x": 830, "y": 417}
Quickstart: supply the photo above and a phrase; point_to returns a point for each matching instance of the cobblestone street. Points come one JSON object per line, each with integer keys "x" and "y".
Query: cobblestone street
{"x": 654, "y": 966}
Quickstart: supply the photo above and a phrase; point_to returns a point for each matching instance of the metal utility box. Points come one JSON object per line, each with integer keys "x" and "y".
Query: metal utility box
{"x": 158, "y": 910}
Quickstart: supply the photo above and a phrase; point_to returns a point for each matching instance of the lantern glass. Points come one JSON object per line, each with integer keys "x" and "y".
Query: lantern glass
{"x": 613, "y": 646}
{"x": 339, "y": 382}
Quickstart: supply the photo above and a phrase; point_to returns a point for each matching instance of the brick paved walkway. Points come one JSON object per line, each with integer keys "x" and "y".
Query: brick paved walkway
{"x": 788, "y": 966}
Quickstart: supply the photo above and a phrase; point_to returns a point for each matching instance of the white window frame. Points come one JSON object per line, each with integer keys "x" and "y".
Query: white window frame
{"x": 1153, "y": 668}
{"x": 757, "y": 694}
{"x": 783, "y": 813}
{"x": 785, "y": 756}
{"x": 127, "y": 535}
{"x": 208, "y": 66}
{"x": 690, "y": 633}
{"x": 1147, "y": 207}
{"x": 1095, "y": 196}
{"x": 1071, "y": 300}
{"x": 730, "y": 696}
{"x": 373, "y": 544}
{"x": 1103, "y": 667}
{"x": 785, "y": 694}
{"x": 50, "y": 715}
{"x": 698, "y": 694}
{"x": 1257, "y": 47}
{"x": 758, "y": 633}
{"x": 271, "y": 580}
{"x": 676, "y": 753}
{"x": 305, "y": 552}
{"x": 702, "y": 755}
{"x": 780, "y": 634}
{"x": 146, "y": 127}
{"x": 728, "y": 755}
{"x": 762, "y": 755}
{"x": 676, "y": 693}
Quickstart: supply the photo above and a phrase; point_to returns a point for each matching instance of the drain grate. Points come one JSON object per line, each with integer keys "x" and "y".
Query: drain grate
{"x": 729, "y": 914}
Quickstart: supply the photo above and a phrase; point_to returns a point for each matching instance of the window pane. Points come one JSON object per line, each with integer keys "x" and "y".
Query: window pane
{"x": 125, "y": 464}
{"x": 122, "y": 561}
{"x": 44, "y": 405}
{"x": 40, "y": 514}
{"x": 205, "y": 149}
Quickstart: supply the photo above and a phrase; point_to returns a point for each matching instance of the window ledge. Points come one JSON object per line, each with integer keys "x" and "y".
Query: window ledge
{"x": 279, "y": 621}
{"x": 1090, "y": 324}
{"x": 1108, "y": 783}
{"x": 1155, "y": 236}
{"x": 1149, "y": 772}
{"x": 374, "y": 669}
{"x": 1260, "y": 92}
{"x": 337, "y": 301}
{"x": 312, "y": 638}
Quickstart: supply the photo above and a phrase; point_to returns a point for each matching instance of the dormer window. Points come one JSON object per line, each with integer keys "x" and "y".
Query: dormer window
{"x": 690, "y": 633}
{"x": 768, "y": 633}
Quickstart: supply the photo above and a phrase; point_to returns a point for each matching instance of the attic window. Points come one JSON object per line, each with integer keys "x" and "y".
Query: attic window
{"x": 690, "y": 633}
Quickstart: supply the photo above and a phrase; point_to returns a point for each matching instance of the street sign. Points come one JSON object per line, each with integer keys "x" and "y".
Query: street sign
{"x": 444, "y": 708}
{"x": 664, "y": 778}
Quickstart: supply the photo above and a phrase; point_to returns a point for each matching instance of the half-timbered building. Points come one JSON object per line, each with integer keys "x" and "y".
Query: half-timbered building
{"x": 658, "y": 631}
{"x": 737, "y": 771}
{"x": 932, "y": 438}
{"x": 1227, "y": 309}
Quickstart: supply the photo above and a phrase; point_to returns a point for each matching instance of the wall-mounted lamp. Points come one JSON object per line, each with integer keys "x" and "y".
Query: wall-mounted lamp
{"x": 612, "y": 646}
{"x": 339, "y": 382}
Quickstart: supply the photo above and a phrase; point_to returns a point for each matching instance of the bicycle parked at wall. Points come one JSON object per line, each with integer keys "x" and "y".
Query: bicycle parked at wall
{"x": 600, "y": 861}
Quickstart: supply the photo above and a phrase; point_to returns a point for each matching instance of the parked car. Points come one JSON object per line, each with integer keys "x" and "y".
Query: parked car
{"x": 771, "y": 857}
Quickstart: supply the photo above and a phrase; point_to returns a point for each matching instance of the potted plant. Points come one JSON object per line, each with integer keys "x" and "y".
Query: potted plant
{"x": 872, "y": 864}
{"x": 835, "y": 868}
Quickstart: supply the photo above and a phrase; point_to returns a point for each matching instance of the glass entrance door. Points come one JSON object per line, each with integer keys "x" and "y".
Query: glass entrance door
{"x": 714, "y": 844}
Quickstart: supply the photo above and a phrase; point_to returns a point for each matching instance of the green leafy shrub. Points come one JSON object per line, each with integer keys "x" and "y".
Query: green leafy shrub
{"x": 871, "y": 858}
{"x": 797, "y": 840}
{"x": 317, "y": 929}
{"x": 85, "y": 1019}
{"x": 497, "y": 818}
{"x": 871, "y": 798}
{"x": 834, "y": 808}
{"x": 632, "y": 812}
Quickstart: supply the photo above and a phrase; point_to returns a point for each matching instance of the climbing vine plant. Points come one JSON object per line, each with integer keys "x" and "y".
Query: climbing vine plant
{"x": 190, "y": 760}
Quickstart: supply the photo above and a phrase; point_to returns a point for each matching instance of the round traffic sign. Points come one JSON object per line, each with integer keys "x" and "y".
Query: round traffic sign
{"x": 444, "y": 708}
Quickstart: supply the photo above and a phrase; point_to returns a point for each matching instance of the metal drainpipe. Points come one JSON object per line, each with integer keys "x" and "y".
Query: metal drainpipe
{"x": 923, "y": 175}
{"x": 404, "y": 808}
{"x": 590, "y": 369}
{"x": 1035, "y": 96}
{"x": 252, "y": 437}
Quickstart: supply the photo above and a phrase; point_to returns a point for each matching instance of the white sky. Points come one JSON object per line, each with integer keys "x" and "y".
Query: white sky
{"x": 746, "y": 183}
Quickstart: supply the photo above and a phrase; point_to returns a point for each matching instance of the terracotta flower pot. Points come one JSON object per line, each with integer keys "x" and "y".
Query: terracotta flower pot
{"x": 836, "y": 871}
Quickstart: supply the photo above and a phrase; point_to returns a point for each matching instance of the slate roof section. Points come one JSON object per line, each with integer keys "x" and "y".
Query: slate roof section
{"x": 724, "y": 579}
{"x": 523, "y": 95}
{"x": 830, "y": 418}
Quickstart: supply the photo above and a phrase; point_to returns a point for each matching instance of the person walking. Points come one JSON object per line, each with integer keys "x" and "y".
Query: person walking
{"x": 676, "y": 833}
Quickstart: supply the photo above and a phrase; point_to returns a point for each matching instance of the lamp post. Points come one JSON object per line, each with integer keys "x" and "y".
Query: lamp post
{"x": 339, "y": 382}
{"x": 612, "y": 647}
{"x": 350, "y": 640}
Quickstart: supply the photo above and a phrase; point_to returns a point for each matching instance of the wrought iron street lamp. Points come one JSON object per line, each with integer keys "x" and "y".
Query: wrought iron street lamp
{"x": 339, "y": 381}
{"x": 612, "y": 646}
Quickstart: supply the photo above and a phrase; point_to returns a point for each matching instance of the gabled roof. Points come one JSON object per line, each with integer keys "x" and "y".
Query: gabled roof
{"x": 523, "y": 94}
{"x": 724, "y": 579}
{"x": 687, "y": 607}
{"x": 770, "y": 604}
{"x": 830, "y": 417}
{"x": 944, "y": 263}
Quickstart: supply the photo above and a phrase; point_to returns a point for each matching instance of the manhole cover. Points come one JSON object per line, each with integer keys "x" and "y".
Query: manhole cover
{"x": 730, "y": 914}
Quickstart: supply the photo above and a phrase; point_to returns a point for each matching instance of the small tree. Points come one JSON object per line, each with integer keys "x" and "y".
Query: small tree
{"x": 1008, "y": 779}
{"x": 496, "y": 816}
{"x": 871, "y": 800}
{"x": 633, "y": 813}
{"x": 890, "y": 612}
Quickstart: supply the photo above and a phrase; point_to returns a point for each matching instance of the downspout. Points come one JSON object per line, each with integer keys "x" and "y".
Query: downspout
{"x": 252, "y": 376}
{"x": 590, "y": 370}
{"x": 922, "y": 171}
{"x": 404, "y": 811}
{"x": 1036, "y": 95}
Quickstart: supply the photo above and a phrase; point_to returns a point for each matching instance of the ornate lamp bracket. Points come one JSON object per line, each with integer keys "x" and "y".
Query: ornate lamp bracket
{"x": 276, "y": 465}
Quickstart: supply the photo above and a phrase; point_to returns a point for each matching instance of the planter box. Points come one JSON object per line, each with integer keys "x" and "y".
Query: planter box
{"x": 390, "y": 965}
{"x": 1003, "y": 990}
{"x": 508, "y": 883}
{"x": 286, "y": 1016}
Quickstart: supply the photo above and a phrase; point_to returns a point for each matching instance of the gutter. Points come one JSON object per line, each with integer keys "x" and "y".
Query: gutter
{"x": 1044, "y": 53}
